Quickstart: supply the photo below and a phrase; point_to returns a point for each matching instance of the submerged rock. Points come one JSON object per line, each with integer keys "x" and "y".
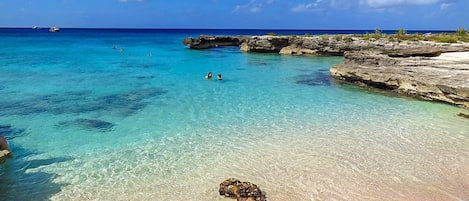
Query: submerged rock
{"x": 242, "y": 191}
{"x": 464, "y": 115}
{"x": 89, "y": 124}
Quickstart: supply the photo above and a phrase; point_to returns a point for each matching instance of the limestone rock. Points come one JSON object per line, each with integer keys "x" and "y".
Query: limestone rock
{"x": 242, "y": 191}
{"x": 443, "y": 78}
{"x": 5, "y": 151}
{"x": 265, "y": 44}
{"x": 4, "y": 154}
{"x": 205, "y": 42}
{"x": 329, "y": 45}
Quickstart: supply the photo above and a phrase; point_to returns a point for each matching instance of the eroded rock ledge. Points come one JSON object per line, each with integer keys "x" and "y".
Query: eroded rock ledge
{"x": 426, "y": 70}
{"x": 442, "y": 78}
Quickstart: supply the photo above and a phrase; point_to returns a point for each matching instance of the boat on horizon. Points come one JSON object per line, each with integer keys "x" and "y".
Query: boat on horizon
{"x": 54, "y": 29}
{"x": 35, "y": 27}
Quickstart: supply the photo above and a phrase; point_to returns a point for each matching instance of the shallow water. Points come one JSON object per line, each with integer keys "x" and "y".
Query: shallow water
{"x": 89, "y": 122}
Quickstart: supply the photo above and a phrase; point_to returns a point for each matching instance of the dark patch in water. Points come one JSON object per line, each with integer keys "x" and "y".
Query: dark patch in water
{"x": 10, "y": 132}
{"x": 88, "y": 124}
{"x": 144, "y": 77}
{"x": 318, "y": 79}
{"x": 124, "y": 104}
{"x": 258, "y": 63}
{"x": 141, "y": 65}
{"x": 20, "y": 184}
{"x": 137, "y": 65}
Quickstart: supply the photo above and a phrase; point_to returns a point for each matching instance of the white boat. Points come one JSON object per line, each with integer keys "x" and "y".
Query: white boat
{"x": 54, "y": 29}
{"x": 35, "y": 27}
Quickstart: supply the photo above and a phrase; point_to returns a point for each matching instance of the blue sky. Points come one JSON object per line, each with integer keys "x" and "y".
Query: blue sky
{"x": 260, "y": 14}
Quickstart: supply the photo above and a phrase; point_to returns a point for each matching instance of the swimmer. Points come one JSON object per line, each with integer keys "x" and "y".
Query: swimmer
{"x": 209, "y": 75}
{"x": 219, "y": 77}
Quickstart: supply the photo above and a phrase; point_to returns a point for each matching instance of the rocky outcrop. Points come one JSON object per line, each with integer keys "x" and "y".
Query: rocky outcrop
{"x": 242, "y": 191}
{"x": 329, "y": 45}
{"x": 443, "y": 78}
{"x": 5, "y": 151}
{"x": 423, "y": 69}
{"x": 205, "y": 42}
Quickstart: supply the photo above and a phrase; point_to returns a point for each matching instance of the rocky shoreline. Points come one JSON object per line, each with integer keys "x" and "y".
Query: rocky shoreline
{"x": 426, "y": 70}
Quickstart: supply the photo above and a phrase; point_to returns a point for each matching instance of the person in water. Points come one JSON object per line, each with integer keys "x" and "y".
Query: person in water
{"x": 219, "y": 77}
{"x": 209, "y": 75}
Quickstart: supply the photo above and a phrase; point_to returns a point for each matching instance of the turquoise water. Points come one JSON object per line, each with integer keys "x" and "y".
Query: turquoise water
{"x": 87, "y": 121}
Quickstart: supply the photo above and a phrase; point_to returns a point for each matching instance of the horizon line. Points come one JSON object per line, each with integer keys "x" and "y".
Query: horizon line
{"x": 282, "y": 29}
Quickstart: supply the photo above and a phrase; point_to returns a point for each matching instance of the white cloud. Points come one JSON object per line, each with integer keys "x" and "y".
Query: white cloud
{"x": 390, "y": 3}
{"x": 445, "y": 5}
{"x": 253, "y": 6}
{"x": 308, "y": 7}
{"x": 341, "y": 4}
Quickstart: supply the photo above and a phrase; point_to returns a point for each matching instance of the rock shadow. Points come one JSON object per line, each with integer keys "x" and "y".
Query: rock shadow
{"x": 122, "y": 104}
{"x": 318, "y": 78}
{"x": 88, "y": 124}
{"x": 17, "y": 182}
{"x": 10, "y": 132}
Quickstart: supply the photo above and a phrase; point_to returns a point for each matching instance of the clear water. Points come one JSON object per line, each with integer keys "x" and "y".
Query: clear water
{"x": 89, "y": 122}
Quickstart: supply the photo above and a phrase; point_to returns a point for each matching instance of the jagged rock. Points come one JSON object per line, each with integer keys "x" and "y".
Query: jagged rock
{"x": 242, "y": 191}
{"x": 444, "y": 78}
{"x": 205, "y": 42}
{"x": 265, "y": 44}
{"x": 5, "y": 151}
{"x": 4, "y": 155}
{"x": 331, "y": 45}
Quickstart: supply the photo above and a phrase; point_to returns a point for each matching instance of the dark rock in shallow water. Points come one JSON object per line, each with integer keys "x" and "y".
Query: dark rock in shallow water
{"x": 10, "y": 132}
{"x": 317, "y": 79}
{"x": 121, "y": 104}
{"x": 464, "y": 115}
{"x": 89, "y": 124}
{"x": 242, "y": 191}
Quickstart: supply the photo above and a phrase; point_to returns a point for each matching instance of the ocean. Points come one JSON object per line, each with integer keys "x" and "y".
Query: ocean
{"x": 122, "y": 114}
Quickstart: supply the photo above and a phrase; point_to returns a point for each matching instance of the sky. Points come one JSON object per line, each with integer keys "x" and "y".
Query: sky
{"x": 238, "y": 14}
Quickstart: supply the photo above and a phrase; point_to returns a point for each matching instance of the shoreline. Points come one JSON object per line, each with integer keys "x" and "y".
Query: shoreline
{"x": 426, "y": 70}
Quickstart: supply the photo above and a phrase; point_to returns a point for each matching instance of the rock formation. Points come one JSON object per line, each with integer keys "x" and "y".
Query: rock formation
{"x": 332, "y": 45}
{"x": 242, "y": 191}
{"x": 5, "y": 151}
{"x": 423, "y": 69}
{"x": 444, "y": 78}
{"x": 205, "y": 42}
{"x": 463, "y": 115}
